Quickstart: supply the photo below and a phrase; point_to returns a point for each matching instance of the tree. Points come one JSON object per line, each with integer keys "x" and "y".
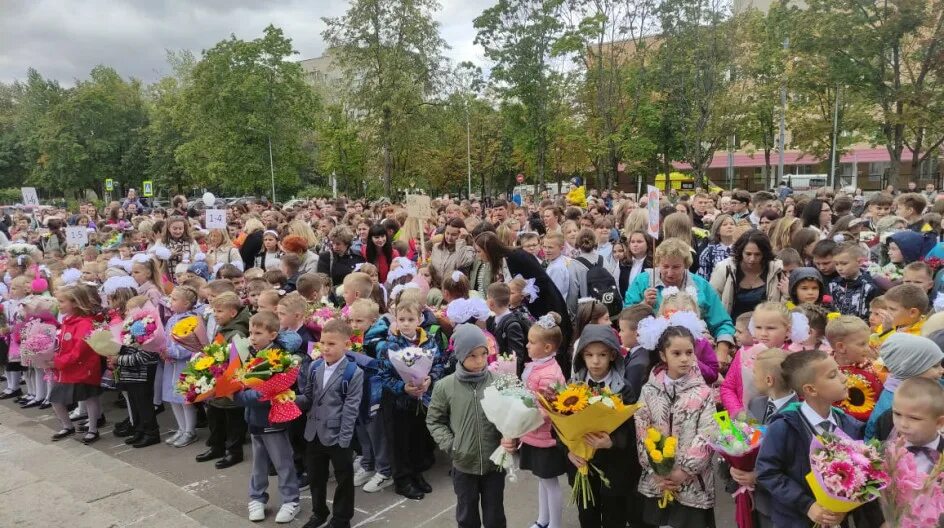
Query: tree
{"x": 166, "y": 131}
{"x": 342, "y": 151}
{"x": 391, "y": 54}
{"x": 519, "y": 36}
{"x": 245, "y": 100}
{"x": 23, "y": 107}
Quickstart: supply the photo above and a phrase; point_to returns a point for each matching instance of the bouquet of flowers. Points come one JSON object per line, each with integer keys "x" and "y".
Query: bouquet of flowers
{"x": 845, "y": 473}
{"x": 39, "y": 341}
{"x": 738, "y": 444}
{"x": 142, "y": 328}
{"x": 190, "y": 333}
{"x": 514, "y": 412}
{"x": 660, "y": 449}
{"x": 198, "y": 379}
{"x": 272, "y": 373}
{"x": 864, "y": 389}
{"x": 891, "y": 272}
{"x": 912, "y": 499}
{"x": 576, "y": 410}
{"x": 357, "y": 342}
{"x": 318, "y": 316}
{"x": 504, "y": 364}
{"x": 412, "y": 364}
{"x": 314, "y": 350}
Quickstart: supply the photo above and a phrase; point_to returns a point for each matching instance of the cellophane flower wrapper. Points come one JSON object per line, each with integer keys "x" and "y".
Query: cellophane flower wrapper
{"x": 38, "y": 343}
{"x": 912, "y": 499}
{"x": 190, "y": 333}
{"x": 743, "y": 497}
{"x": 505, "y": 365}
{"x": 412, "y": 364}
{"x": 197, "y": 382}
{"x": 277, "y": 390}
{"x": 845, "y": 473}
{"x": 513, "y": 410}
{"x": 103, "y": 342}
{"x": 143, "y": 329}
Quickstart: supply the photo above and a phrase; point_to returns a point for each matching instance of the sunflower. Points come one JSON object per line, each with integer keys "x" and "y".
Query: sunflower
{"x": 572, "y": 399}
{"x": 274, "y": 357}
{"x": 862, "y": 396}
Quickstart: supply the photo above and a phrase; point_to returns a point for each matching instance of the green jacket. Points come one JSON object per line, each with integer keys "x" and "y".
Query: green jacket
{"x": 458, "y": 424}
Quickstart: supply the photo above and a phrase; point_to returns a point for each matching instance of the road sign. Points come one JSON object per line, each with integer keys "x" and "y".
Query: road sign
{"x": 147, "y": 188}
{"x": 216, "y": 218}
{"x": 109, "y": 185}
{"x": 30, "y": 199}
{"x": 77, "y": 236}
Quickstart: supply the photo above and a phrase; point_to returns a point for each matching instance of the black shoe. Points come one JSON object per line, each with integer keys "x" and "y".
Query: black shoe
{"x": 84, "y": 426}
{"x": 121, "y": 402}
{"x": 420, "y": 483}
{"x": 158, "y": 409}
{"x": 89, "y": 438}
{"x": 316, "y": 521}
{"x": 210, "y": 454}
{"x": 7, "y": 395}
{"x": 229, "y": 460}
{"x": 409, "y": 491}
{"x": 45, "y": 405}
{"x": 62, "y": 434}
{"x": 303, "y": 481}
{"x": 29, "y": 404}
{"x": 22, "y": 399}
{"x": 147, "y": 440}
{"x": 134, "y": 438}
{"x": 123, "y": 428}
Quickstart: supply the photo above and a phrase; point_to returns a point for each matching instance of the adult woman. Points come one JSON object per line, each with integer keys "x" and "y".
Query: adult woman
{"x": 252, "y": 243}
{"x": 379, "y": 250}
{"x": 340, "y": 260}
{"x": 803, "y": 241}
{"x": 179, "y": 203}
{"x": 673, "y": 257}
{"x": 220, "y": 250}
{"x": 781, "y": 232}
{"x": 721, "y": 236}
{"x": 766, "y": 219}
{"x": 750, "y": 276}
{"x": 308, "y": 259}
{"x": 679, "y": 225}
{"x": 551, "y": 217}
{"x": 818, "y": 215}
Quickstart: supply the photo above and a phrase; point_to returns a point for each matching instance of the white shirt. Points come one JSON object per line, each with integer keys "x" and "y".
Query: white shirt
{"x": 560, "y": 275}
{"x": 924, "y": 463}
{"x": 499, "y": 317}
{"x": 328, "y": 371}
{"x": 780, "y": 402}
{"x": 816, "y": 420}
{"x": 637, "y": 268}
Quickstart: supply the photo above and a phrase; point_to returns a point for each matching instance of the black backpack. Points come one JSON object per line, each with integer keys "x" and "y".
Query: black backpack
{"x": 602, "y": 286}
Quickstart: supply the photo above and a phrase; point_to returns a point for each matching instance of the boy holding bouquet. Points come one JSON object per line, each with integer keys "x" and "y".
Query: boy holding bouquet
{"x": 455, "y": 404}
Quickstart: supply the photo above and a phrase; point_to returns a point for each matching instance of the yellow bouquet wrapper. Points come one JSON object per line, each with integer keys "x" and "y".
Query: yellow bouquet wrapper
{"x": 826, "y": 500}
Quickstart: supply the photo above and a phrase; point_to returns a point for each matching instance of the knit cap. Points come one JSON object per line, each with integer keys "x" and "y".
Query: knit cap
{"x": 907, "y": 356}
{"x": 466, "y": 338}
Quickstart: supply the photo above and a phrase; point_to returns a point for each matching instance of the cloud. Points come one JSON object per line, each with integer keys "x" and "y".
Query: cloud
{"x": 64, "y": 40}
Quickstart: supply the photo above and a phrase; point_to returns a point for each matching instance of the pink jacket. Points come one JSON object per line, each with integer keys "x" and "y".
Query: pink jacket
{"x": 541, "y": 377}
{"x": 738, "y": 387}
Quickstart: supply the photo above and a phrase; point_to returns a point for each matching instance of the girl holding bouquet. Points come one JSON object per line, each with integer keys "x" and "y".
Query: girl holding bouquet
{"x": 182, "y": 303}
{"x": 677, "y": 402}
{"x": 78, "y": 367}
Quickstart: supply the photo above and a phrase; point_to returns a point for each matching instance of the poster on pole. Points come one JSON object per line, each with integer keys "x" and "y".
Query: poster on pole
{"x": 147, "y": 188}
{"x": 653, "y": 197}
{"x": 216, "y": 218}
{"x": 77, "y": 236}
{"x": 418, "y": 207}
{"x": 30, "y": 199}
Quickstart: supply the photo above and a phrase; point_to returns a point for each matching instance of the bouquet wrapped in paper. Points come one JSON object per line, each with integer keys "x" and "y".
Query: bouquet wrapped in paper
{"x": 912, "y": 499}
{"x": 272, "y": 373}
{"x": 504, "y": 364}
{"x": 143, "y": 329}
{"x": 319, "y": 315}
{"x": 39, "y": 341}
{"x": 576, "y": 410}
{"x": 204, "y": 372}
{"x": 660, "y": 449}
{"x": 412, "y": 364}
{"x": 738, "y": 443}
{"x": 513, "y": 410}
{"x": 190, "y": 333}
{"x": 845, "y": 473}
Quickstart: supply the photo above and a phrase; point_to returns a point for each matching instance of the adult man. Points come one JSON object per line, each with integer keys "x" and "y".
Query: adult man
{"x": 700, "y": 208}
{"x": 761, "y": 201}
{"x": 452, "y": 253}
{"x": 739, "y": 204}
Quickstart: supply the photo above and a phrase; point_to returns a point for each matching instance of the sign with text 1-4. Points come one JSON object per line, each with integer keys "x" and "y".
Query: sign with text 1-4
{"x": 77, "y": 236}
{"x": 653, "y": 197}
{"x": 216, "y": 218}
{"x": 109, "y": 185}
{"x": 30, "y": 199}
{"x": 418, "y": 206}
{"x": 147, "y": 188}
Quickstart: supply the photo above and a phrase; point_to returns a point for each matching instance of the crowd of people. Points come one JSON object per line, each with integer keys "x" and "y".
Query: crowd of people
{"x": 808, "y": 313}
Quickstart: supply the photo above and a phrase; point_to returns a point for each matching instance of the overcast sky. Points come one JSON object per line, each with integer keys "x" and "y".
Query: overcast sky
{"x": 64, "y": 39}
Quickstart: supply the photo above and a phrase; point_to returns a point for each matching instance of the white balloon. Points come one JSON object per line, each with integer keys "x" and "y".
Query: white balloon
{"x": 209, "y": 199}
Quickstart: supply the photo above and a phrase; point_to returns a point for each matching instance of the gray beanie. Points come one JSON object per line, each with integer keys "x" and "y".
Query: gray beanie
{"x": 598, "y": 333}
{"x": 466, "y": 338}
{"x": 907, "y": 356}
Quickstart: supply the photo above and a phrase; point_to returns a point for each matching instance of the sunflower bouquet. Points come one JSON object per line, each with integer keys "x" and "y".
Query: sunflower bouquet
{"x": 512, "y": 409}
{"x": 272, "y": 373}
{"x": 190, "y": 333}
{"x": 864, "y": 388}
{"x": 197, "y": 381}
{"x": 660, "y": 449}
{"x": 576, "y": 410}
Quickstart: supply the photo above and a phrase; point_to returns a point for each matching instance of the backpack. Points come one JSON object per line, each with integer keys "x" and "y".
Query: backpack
{"x": 602, "y": 286}
{"x": 372, "y": 390}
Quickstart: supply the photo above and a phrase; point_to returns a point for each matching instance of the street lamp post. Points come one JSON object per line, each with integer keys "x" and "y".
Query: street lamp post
{"x": 271, "y": 168}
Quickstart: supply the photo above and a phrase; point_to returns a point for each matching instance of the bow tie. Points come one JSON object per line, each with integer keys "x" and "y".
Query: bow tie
{"x": 596, "y": 384}
{"x": 931, "y": 454}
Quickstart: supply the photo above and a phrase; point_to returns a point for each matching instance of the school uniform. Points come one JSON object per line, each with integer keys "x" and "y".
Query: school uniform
{"x": 224, "y": 418}
{"x": 763, "y": 409}
{"x": 329, "y": 431}
{"x": 296, "y": 429}
{"x": 511, "y": 334}
{"x": 135, "y": 375}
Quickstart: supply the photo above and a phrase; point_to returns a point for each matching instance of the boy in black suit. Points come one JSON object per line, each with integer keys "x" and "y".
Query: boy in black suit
{"x": 509, "y": 328}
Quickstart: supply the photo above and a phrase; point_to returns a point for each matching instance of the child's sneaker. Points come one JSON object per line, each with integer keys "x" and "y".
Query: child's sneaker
{"x": 361, "y": 476}
{"x": 176, "y": 436}
{"x": 378, "y": 482}
{"x": 256, "y": 511}
{"x": 186, "y": 439}
{"x": 288, "y": 512}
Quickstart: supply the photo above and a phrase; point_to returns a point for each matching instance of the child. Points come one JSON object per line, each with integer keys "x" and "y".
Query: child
{"x": 676, "y": 401}
{"x": 355, "y": 286}
{"x": 12, "y": 310}
{"x": 851, "y": 290}
{"x": 772, "y": 328}
{"x": 815, "y": 315}
{"x": 290, "y": 266}
{"x": 704, "y": 352}
{"x": 589, "y": 311}
{"x": 183, "y": 302}
{"x": 253, "y": 290}
{"x": 523, "y": 293}
{"x": 906, "y": 356}
{"x": 560, "y": 268}
{"x": 905, "y": 306}
{"x": 823, "y": 259}
{"x": 78, "y": 367}
{"x": 454, "y": 407}
{"x": 332, "y": 413}
{"x": 806, "y": 286}
{"x": 270, "y": 442}
{"x": 849, "y": 337}
{"x": 918, "y": 417}
{"x": 270, "y": 256}
{"x": 628, "y": 322}
{"x": 921, "y": 275}
{"x": 410, "y": 441}
{"x": 224, "y": 417}
{"x": 742, "y": 333}
{"x": 509, "y": 328}
{"x": 135, "y": 372}
{"x": 790, "y": 258}
{"x": 269, "y": 301}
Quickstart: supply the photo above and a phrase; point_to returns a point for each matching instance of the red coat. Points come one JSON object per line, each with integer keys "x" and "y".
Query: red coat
{"x": 75, "y": 361}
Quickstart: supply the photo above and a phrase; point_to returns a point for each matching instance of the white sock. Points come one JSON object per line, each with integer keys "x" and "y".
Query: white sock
{"x": 190, "y": 413}
{"x": 551, "y": 495}
{"x": 30, "y": 382}
{"x": 13, "y": 381}
{"x": 94, "y": 407}
{"x": 158, "y": 381}
{"x": 128, "y": 404}
{"x": 40, "y": 384}
{"x": 178, "y": 409}
{"x": 81, "y": 408}
{"x": 49, "y": 384}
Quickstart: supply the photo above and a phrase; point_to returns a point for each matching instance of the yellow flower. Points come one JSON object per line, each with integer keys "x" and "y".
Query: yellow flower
{"x": 671, "y": 441}
{"x": 274, "y": 357}
{"x": 617, "y": 402}
{"x": 572, "y": 399}
{"x": 203, "y": 363}
{"x": 185, "y": 326}
{"x": 668, "y": 451}
{"x": 656, "y": 457}
{"x": 650, "y": 445}
{"x": 653, "y": 434}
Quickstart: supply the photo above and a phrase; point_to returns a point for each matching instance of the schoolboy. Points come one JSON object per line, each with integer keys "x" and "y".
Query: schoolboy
{"x": 269, "y": 301}
{"x": 906, "y": 305}
{"x": 790, "y": 259}
{"x": 356, "y": 286}
{"x": 224, "y": 417}
{"x": 509, "y": 328}
{"x": 291, "y": 315}
{"x": 921, "y": 275}
{"x": 918, "y": 417}
{"x": 456, "y": 405}
{"x": 910, "y": 206}
{"x": 638, "y": 359}
{"x": 308, "y": 286}
{"x": 211, "y": 291}
{"x": 783, "y": 461}
{"x": 851, "y": 290}
{"x": 878, "y": 207}
{"x": 270, "y": 441}
{"x": 332, "y": 408}
{"x": 849, "y": 337}
{"x": 806, "y": 286}
{"x": 290, "y": 264}
{"x": 253, "y": 289}
{"x": 823, "y": 259}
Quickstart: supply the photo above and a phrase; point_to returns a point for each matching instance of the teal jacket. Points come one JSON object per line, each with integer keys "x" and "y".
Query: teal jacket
{"x": 712, "y": 310}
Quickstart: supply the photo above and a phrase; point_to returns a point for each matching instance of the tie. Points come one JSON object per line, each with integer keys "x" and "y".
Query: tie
{"x": 931, "y": 454}
{"x": 826, "y": 426}
{"x": 771, "y": 410}
{"x": 596, "y": 384}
